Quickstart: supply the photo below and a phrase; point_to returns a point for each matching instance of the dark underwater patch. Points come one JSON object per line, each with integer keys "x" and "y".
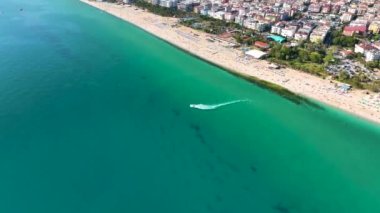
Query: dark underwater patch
{"x": 176, "y": 112}
{"x": 229, "y": 165}
{"x": 281, "y": 208}
{"x": 198, "y": 133}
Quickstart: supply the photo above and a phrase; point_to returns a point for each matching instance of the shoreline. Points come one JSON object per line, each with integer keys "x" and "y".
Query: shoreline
{"x": 296, "y": 86}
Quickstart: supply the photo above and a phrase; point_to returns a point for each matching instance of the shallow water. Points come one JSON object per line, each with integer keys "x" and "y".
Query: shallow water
{"x": 95, "y": 117}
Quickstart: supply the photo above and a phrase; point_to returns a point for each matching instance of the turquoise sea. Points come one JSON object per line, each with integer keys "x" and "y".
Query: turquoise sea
{"x": 95, "y": 117}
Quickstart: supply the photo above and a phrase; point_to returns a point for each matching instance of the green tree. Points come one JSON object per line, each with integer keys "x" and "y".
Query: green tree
{"x": 343, "y": 76}
{"x": 345, "y": 41}
{"x": 329, "y": 58}
{"x": 303, "y": 55}
{"x": 315, "y": 57}
{"x": 373, "y": 86}
{"x": 372, "y": 64}
{"x": 238, "y": 39}
{"x": 285, "y": 53}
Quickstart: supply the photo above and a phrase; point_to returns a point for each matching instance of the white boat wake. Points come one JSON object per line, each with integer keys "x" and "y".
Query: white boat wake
{"x": 214, "y": 106}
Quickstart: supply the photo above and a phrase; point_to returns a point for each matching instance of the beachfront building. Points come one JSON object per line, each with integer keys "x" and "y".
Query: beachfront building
{"x": 256, "y": 54}
{"x": 242, "y": 11}
{"x": 277, "y": 28}
{"x": 289, "y": 31}
{"x": 303, "y": 33}
{"x": 168, "y": 3}
{"x": 262, "y": 26}
{"x": 372, "y": 10}
{"x": 272, "y": 17}
{"x": 216, "y": 15}
{"x": 229, "y": 16}
{"x": 326, "y": 8}
{"x": 363, "y": 47}
{"x": 362, "y": 9}
{"x": 239, "y": 20}
{"x": 261, "y": 45}
{"x": 197, "y": 9}
{"x": 319, "y": 34}
{"x": 346, "y": 17}
{"x": 253, "y": 24}
{"x": 249, "y": 23}
{"x": 315, "y": 8}
{"x": 353, "y": 9}
{"x": 285, "y": 15}
{"x": 352, "y": 30}
{"x": 185, "y": 6}
{"x": 372, "y": 55}
{"x": 335, "y": 9}
{"x": 359, "y": 26}
{"x": 374, "y": 27}
{"x": 369, "y": 50}
{"x": 155, "y": 2}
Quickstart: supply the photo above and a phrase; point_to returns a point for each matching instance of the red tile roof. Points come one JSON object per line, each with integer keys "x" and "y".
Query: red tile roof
{"x": 261, "y": 44}
{"x": 367, "y": 46}
{"x": 355, "y": 28}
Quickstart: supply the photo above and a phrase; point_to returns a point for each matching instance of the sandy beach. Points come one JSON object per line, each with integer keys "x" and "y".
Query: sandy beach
{"x": 198, "y": 43}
